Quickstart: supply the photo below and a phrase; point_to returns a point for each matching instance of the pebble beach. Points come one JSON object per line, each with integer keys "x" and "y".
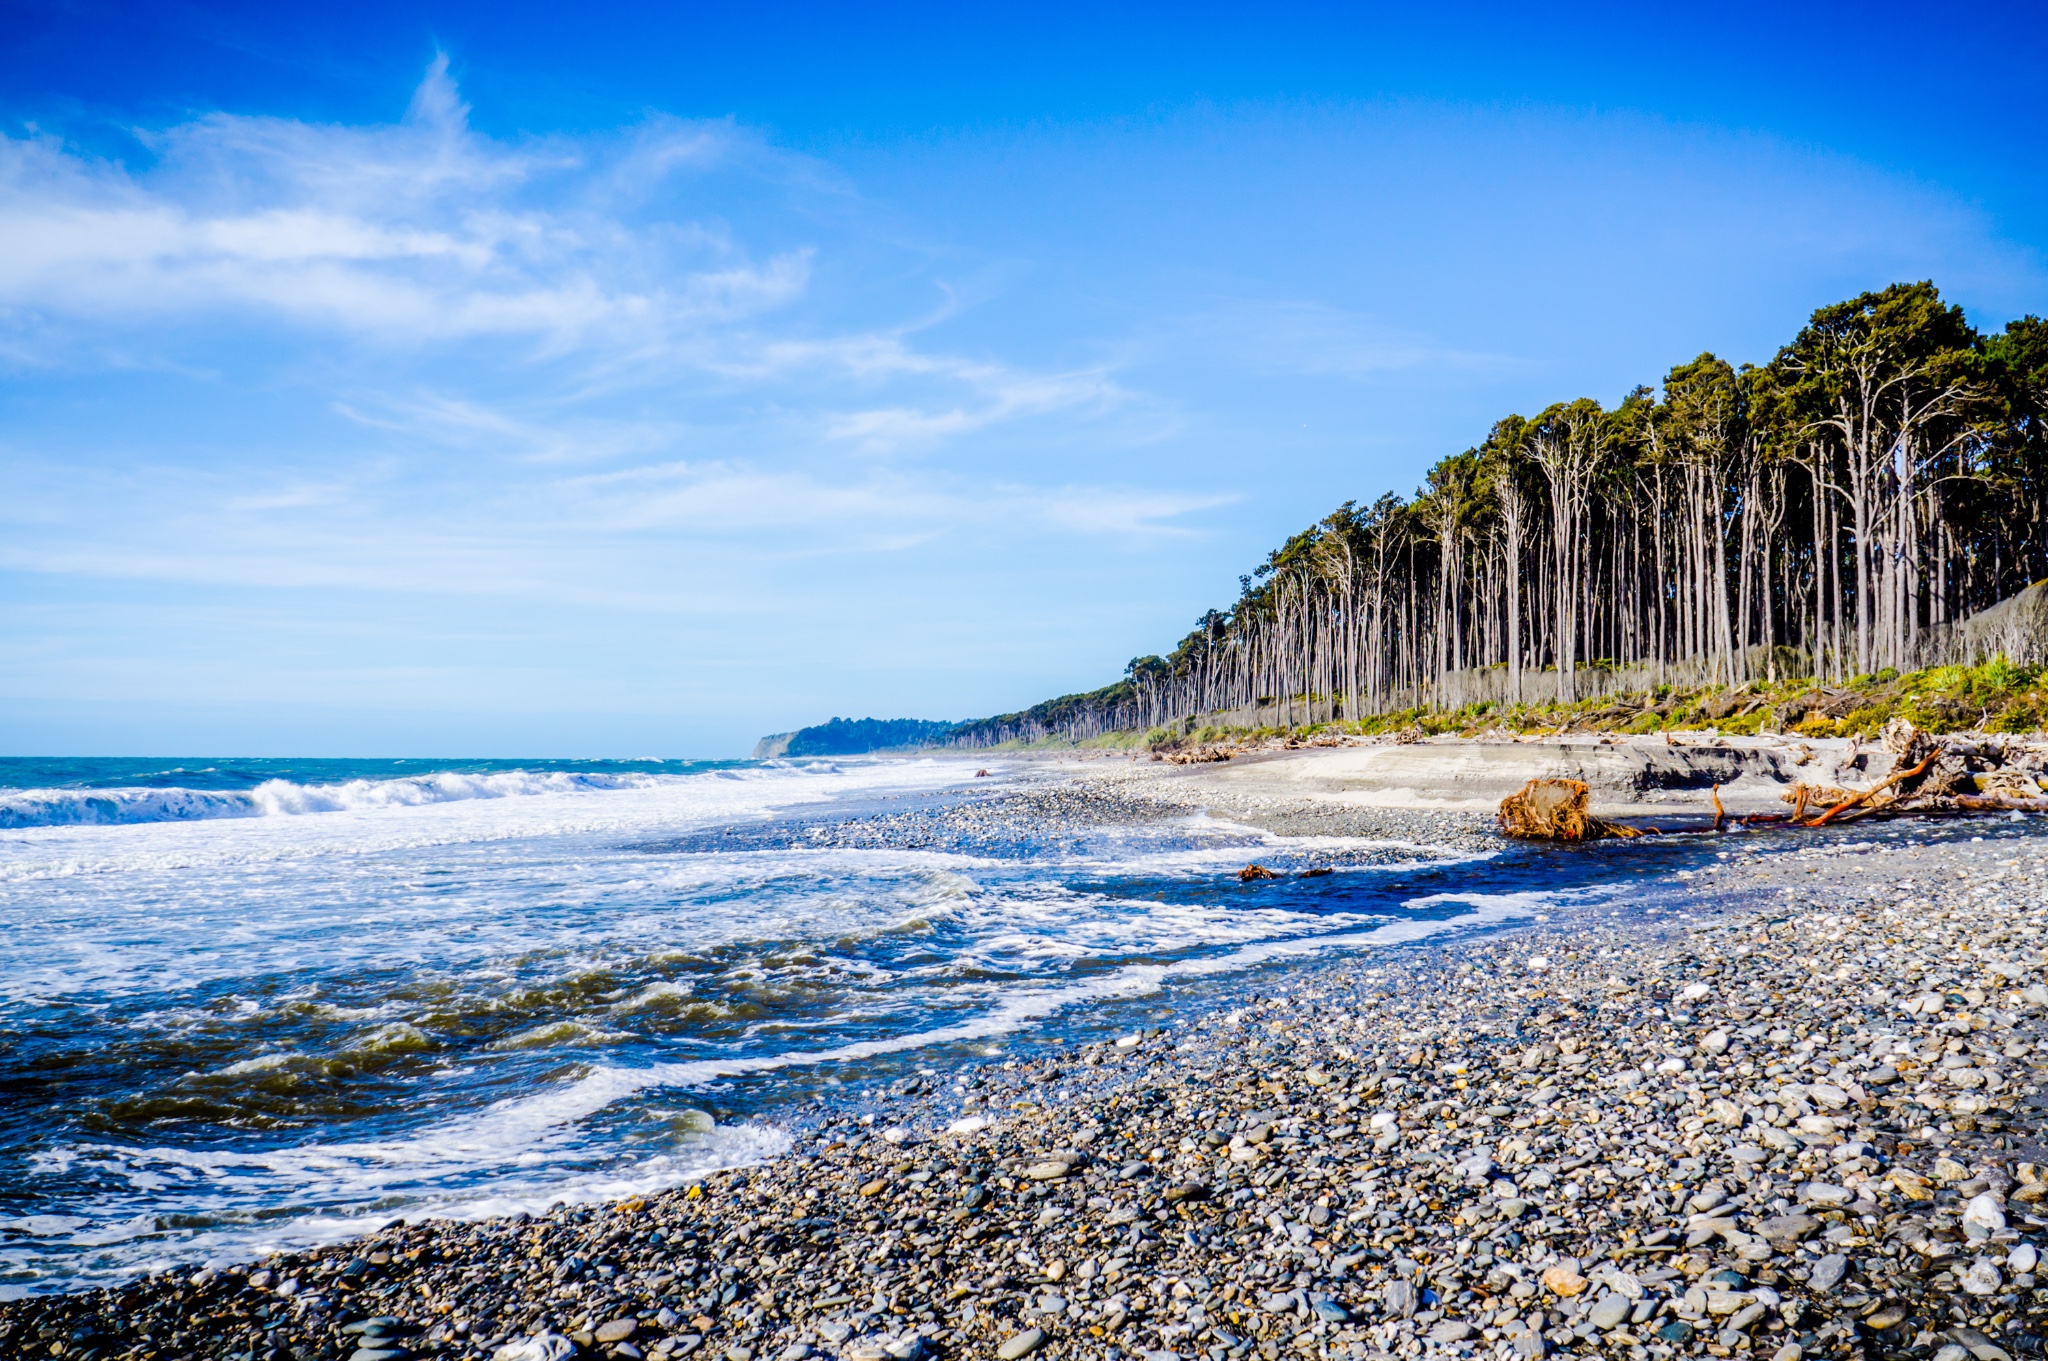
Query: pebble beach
{"x": 1794, "y": 1111}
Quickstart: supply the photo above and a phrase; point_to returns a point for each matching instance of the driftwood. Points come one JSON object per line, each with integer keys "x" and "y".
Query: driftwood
{"x": 1556, "y": 810}
{"x": 1866, "y": 795}
{"x": 1945, "y": 775}
{"x": 1988, "y": 803}
{"x": 2011, "y": 783}
{"x": 1937, "y": 780}
{"x": 1819, "y": 795}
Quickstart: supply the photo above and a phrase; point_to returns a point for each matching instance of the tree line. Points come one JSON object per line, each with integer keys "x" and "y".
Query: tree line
{"x": 1828, "y": 514}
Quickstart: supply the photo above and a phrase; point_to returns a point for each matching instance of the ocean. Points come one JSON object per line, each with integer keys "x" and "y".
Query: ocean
{"x": 245, "y": 1004}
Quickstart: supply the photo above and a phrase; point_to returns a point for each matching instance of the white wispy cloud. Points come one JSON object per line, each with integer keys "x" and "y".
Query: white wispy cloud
{"x": 1319, "y": 340}
{"x": 999, "y": 394}
{"x": 612, "y": 258}
{"x": 648, "y": 534}
{"x": 657, "y": 371}
{"x": 419, "y": 231}
{"x": 550, "y": 435}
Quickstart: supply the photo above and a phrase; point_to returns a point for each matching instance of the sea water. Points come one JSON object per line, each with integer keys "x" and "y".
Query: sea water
{"x": 253, "y": 1004}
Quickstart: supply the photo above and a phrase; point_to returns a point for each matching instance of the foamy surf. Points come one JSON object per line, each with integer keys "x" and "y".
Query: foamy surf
{"x": 426, "y": 996}
{"x": 121, "y": 806}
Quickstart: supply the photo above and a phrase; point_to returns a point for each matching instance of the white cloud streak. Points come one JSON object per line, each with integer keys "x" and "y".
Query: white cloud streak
{"x": 608, "y": 256}
{"x": 422, "y": 231}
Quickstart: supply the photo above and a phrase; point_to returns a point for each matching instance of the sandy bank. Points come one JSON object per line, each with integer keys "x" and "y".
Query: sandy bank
{"x": 1628, "y": 775}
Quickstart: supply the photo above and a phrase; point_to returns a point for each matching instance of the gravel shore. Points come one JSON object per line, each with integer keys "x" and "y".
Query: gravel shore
{"x": 1797, "y": 1113}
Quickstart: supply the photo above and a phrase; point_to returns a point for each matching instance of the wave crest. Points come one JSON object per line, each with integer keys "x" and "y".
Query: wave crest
{"x": 22, "y": 808}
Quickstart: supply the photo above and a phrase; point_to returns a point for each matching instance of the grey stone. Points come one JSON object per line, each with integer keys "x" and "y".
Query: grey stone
{"x": 1980, "y": 1346}
{"x": 1791, "y": 1228}
{"x": 1608, "y": 1312}
{"x": 1022, "y": 1344}
{"x": 1824, "y": 1193}
{"x": 1827, "y": 1273}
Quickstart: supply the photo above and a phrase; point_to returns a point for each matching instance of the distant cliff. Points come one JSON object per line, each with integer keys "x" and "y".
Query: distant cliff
{"x": 853, "y": 737}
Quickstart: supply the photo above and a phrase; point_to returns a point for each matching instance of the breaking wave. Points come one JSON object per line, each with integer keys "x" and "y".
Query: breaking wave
{"x": 283, "y": 798}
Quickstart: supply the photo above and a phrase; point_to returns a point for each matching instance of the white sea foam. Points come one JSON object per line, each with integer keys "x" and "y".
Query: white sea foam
{"x": 105, "y": 807}
{"x": 358, "y": 1183}
{"x": 24, "y": 808}
{"x": 524, "y": 1119}
{"x": 264, "y": 1063}
{"x": 474, "y": 936}
{"x": 530, "y": 1152}
{"x": 387, "y": 816}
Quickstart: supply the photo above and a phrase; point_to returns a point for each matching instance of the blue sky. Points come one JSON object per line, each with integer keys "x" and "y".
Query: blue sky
{"x": 465, "y": 379}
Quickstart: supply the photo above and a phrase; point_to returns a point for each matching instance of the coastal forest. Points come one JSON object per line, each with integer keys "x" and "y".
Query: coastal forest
{"x": 1831, "y": 513}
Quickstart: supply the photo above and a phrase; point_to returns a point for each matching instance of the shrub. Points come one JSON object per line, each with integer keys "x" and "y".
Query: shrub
{"x": 1999, "y": 676}
{"x": 1816, "y": 724}
{"x": 2020, "y": 717}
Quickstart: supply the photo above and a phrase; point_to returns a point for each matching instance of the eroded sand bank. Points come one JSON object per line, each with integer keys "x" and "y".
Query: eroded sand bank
{"x": 1629, "y": 776}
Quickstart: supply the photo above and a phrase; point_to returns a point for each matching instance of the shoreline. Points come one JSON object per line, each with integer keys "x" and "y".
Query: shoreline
{"x": 1264, "y": 1185}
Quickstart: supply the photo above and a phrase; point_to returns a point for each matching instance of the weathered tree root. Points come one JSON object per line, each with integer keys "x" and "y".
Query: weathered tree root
{"x": 1556, "y": 810}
